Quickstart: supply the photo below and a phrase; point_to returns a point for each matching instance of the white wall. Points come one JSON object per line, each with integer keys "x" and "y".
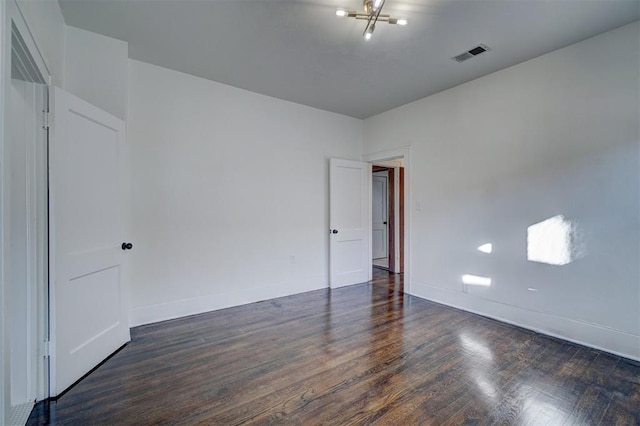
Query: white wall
{"x": 227, "y": 185}
{"x": 96, "y": 70}
{"x": 46, "y": 23}
{"x": 554, "y": 135}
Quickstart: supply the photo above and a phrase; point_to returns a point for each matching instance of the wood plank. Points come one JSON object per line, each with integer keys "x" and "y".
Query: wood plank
{"x": 364, "y": 354}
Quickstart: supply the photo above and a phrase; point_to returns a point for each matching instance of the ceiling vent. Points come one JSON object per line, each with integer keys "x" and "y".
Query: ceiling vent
{"x": 479, "y": 49}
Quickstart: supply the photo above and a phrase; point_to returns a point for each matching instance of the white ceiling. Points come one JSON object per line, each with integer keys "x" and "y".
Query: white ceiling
{"x": 298, "y": 50}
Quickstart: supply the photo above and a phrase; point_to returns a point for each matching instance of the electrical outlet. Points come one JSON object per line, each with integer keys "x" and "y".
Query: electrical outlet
{"x": 292, "y": 259}
{"x": 465, "y": 288}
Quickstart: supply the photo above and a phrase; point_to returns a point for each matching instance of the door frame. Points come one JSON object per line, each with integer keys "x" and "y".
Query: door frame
{"x": 405, "y": 154}
{"x": 12, "y": 19}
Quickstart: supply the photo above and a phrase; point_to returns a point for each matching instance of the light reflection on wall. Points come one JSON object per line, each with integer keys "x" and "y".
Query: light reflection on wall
{"x": 554, "y": 241}
{"x": 486, "y": 248}
{"x": 476, "y": 280}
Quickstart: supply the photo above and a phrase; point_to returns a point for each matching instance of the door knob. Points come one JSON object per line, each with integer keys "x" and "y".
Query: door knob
{"x": 335, "y": 231}
{"x": 384, "y": 223}
{"x": 127, "y": 246}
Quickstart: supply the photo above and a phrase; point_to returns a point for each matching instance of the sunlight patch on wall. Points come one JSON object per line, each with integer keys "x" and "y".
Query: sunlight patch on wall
{"x": 476, "y": 280}
{"x": 486, "y": 248}
{"x": 554, "y": 241}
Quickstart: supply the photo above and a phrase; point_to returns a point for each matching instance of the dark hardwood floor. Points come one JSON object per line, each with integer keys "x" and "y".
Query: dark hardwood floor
{"x": 363, "y": 354}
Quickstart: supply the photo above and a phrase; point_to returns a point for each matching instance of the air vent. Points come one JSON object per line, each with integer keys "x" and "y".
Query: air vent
{"x": 481, "y": 48}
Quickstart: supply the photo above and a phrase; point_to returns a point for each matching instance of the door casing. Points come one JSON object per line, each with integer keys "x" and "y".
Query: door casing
{"x": 405, "y": 154}
{"x": 17, "y": 43}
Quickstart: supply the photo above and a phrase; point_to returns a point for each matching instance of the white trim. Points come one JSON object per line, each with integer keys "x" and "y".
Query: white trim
{"x": 3, "y": 321}
{"x": 11, "y": 15}
{"x": 52, "y": 253}
{"x": 587, "y": 334}
{"x": 370, "y": 221}
{"x": 196, "y": 305}
{"x": 396, "y": 220}
{"x": 390, "y": 154}
{"x": 29, "y": 40}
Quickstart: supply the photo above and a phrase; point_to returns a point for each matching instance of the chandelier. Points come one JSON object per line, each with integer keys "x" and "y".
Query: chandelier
{"x": 372, "y": 14}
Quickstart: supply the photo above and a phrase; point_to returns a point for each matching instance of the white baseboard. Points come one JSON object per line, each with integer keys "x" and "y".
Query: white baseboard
{"x": 592, "y": 335}
{"x": 148, "y": 314}
{"x": 587, "y": 334}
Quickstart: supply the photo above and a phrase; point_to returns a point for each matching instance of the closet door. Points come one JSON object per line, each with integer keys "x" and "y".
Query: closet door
{"x": 90, "y": 315}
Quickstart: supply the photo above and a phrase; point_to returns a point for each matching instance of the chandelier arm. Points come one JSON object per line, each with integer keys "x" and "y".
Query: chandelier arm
{"x": 374, "y": 17}
{"x": 382, "y": 18}
{"x": 366, "y": 28}
{"x": 378, "y": 12}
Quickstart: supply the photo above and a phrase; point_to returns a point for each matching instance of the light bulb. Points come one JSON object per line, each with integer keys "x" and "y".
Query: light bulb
{"x": 341, "y": 13}
{"x": 368, "y": 32}
{"x": 377, "y": 4}
{"x": 402, "y": 22}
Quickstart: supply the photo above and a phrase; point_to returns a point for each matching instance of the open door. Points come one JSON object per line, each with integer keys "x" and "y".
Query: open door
{"x": 88, "y": 304}
{"x": 380, "y": 218}
{"x": 349, "y": 222}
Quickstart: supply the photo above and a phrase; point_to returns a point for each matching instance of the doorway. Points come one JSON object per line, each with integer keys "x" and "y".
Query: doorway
{"x": 24, "y": 294}
{"x": 387, "y": 222}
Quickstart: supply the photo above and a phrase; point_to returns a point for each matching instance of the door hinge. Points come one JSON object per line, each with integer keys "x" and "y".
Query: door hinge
{"x": 46, "y": 349}
{"x": 46, "y": 120}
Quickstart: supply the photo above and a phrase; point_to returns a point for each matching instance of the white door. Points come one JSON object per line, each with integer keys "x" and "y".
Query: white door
{"x": 380, "y": 211}
{"x": 89, "y": 309}
{"x": 349, "y": 222}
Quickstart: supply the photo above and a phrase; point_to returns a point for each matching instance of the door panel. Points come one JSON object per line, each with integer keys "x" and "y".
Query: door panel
{"x": 349, "y": 220}
{"x": 89, "y": 305}
{"x": 94, "y": 291}
{"x": 94, "y": 199}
